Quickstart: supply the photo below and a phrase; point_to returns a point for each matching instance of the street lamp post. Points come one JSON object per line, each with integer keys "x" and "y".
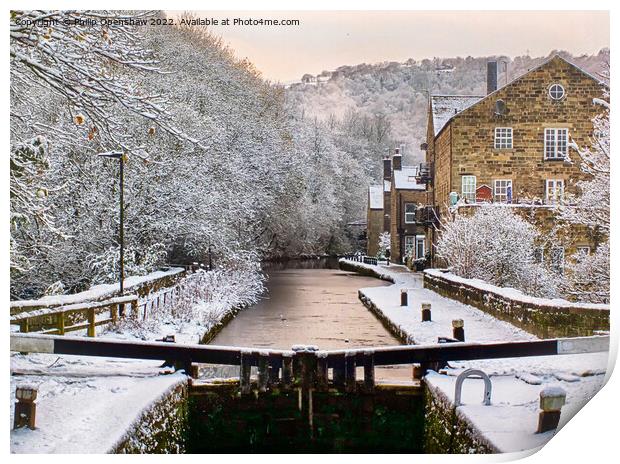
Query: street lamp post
{"x": 210, "y": 253}
{"x": 119, "y": 155}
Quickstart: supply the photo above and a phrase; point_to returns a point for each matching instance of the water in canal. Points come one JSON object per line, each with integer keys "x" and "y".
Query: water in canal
{"x": 311, "y": 303}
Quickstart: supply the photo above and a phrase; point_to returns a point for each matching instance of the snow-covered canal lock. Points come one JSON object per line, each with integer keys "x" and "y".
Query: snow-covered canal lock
{"x": 311, "y": 302}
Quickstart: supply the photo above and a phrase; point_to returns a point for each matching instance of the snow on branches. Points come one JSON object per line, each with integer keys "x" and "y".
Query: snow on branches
{"x": 496, "y": 245}
{"x": 83, "y": 57}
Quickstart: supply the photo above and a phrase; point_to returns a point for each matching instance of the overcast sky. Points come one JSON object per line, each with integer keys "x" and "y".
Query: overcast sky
{"x": 326, "y": 40}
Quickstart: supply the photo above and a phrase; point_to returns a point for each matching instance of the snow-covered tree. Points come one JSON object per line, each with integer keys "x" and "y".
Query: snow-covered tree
{"x": 385, "y": 243}
{"x": 495, "y": 245}
{"x": 587, "y": 277}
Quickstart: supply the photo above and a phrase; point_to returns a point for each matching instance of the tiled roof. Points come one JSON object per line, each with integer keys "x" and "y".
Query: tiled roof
{"x": 446, "y": 106}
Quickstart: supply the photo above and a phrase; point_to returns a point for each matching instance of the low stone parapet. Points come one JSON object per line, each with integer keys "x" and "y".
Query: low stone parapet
{"x": 545, "y": 318}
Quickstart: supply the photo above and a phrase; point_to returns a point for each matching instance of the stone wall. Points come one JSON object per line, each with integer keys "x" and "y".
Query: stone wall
{"x": 445, "y": 431}
{"x": 162, "y": 428}
{"x": 544, "y": 318}
{"x": 375, "y": 227}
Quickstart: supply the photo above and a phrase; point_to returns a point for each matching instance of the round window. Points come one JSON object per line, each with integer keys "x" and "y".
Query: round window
{"x": 556, "y": 92}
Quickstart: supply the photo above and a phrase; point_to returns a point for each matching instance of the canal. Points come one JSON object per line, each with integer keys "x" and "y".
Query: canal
{"x": 312, "y": 302}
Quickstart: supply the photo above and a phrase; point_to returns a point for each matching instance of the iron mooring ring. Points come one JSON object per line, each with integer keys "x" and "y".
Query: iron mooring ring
{"x": 470, "y": 373}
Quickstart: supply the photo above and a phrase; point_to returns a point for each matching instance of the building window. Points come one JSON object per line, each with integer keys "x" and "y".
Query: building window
{"x": 468, "y": 188}
{"x": 557, "y": 259}
{"x": 556, "y": 92}
{"x": 503, "y": 137}
{"x": 410, "y": 213}
{"x": 556, "y": 143}
{"x": 539, "y": 255}
{"x": 554, "y": 191}
{"x": 419, "y": 246}
{"x": 582, "y": 252}
{"x": 409, "y": 244}
{"x": 503, "y": 191}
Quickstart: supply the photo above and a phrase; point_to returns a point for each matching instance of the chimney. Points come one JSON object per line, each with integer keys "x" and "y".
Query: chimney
{"x": 387, "y": 168}
{"x": 491, "y": 76}
{"x": 397, "y": 160}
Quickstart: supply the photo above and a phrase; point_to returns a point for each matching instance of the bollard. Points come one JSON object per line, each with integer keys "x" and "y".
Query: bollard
{"x": 426, "y": 312}
{"x": 552, "y": 399}
{"x": 458, "y": 332}
{"x": 25, "y": 408}
{"x": 403, "y": 297}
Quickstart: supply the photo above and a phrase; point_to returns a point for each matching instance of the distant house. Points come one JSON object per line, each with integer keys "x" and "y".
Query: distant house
{"x": 406, "y": 196}
{"x": 512, "y": 147}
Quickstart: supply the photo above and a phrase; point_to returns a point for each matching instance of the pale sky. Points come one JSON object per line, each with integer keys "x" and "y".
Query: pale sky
{"x": 327, "y": 39}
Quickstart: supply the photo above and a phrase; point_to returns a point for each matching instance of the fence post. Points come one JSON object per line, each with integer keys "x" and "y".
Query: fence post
{"x": 91, "y": 322}
{"x": 134, "y": 309}
{"x": 24, "y": 326}
{"x": 369, "y": 371}
{"x": 263, "y": 372}
{"x": 322, "y": 381}
{"x": 287, "y": 369}
{"x": 60, "y": 322}
{"x": 114, "y": 310}
{"x": 349, "y": 372}
{"x": 246, "y": 371}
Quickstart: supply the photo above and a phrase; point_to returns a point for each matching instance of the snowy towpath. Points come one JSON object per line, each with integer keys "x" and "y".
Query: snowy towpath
{"x": 84, "y": 404}
{"x": 510, "y": 423}
{"x": 479, "y": 326}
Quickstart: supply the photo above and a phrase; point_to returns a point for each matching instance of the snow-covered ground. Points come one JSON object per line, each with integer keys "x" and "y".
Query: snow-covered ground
{"x": 509, "y": 424}
{"x": 84, "y": 405}
{"x": 85, "y": 397}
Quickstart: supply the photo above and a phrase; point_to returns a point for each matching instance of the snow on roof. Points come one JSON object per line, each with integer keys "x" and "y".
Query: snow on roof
{"x": 405, "y": 179}
{"x": 387, "y": 186}
{"x": 375, "y": 197}
{"x": 446, "y": 106}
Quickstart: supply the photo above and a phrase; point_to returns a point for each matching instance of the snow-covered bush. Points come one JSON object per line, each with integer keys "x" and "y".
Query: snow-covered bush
{"x": 587, "y": 278}
{"x": 497, "y": 246}
{"x": 203, "y": 298}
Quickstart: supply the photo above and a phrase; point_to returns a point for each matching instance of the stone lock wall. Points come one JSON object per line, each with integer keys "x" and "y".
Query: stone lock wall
{"x": 541, "y": 317}
{"x": 162, "y": 428}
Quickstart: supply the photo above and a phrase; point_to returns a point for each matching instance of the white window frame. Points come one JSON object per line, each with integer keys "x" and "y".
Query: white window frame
{"x": 551, "y": 88}
{"x": 583, "y": 251}
{"x": 554, "y": 191}
{"x": 409, "y": 243}
{"x": 468, "y": 188}
{"x": 503, "y": 138}
{"x": 409, "y": 213}
{"x": 551, "y": 141}
{"x": 500, "y": 196}
{"x": 558, "y": 266}
{"x": 539, "y": 254}
{"x": 420, "y": 239}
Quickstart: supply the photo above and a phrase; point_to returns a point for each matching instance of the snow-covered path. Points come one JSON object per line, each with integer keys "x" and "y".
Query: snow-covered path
{"x": 479, "y": 326}
{"x": 84, "y": 404}
{"x": 509, "y": 424}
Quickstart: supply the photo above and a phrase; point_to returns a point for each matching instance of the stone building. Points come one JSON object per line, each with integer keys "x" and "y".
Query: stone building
{"x": 374, "y": 219}
{"x": 406, "y": 195}
{"x": 512, "y": 146}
